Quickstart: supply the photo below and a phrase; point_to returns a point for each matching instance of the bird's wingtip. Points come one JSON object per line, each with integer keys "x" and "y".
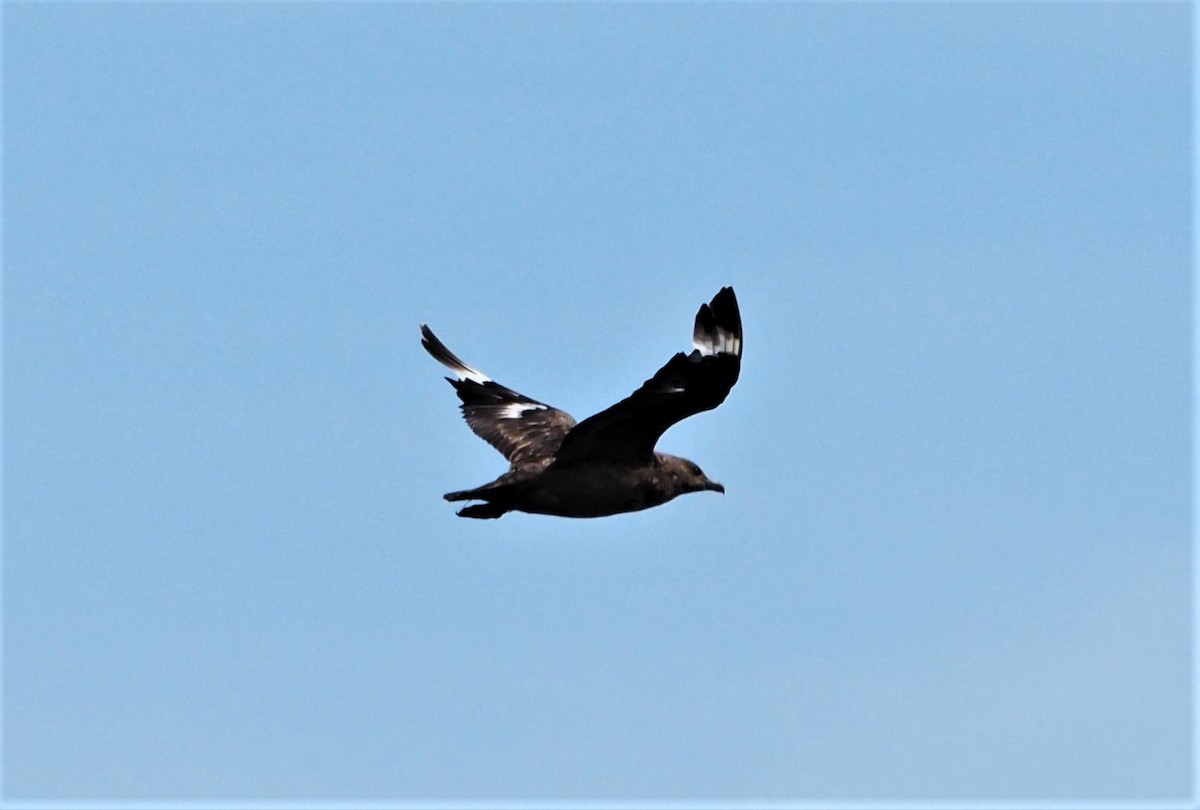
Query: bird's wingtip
{"x": 448, "y": 359}
{"x": 718, "y": 328}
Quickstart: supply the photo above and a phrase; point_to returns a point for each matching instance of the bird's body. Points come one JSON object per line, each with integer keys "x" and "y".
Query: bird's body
{"x": 586, "y": 490}
{"x": 605, "y": 464}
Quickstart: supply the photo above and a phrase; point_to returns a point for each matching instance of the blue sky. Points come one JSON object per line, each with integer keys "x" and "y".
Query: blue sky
{"x": 953, "y": 561}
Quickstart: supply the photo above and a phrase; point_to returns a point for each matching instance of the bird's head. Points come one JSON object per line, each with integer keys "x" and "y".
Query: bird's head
{"x": 686, "y": 475}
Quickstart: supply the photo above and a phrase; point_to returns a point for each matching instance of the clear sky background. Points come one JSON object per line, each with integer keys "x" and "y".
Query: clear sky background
{"x": 953, "y": 562}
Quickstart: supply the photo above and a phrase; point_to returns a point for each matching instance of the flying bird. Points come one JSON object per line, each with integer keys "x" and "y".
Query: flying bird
{"x": 607, "y": 463}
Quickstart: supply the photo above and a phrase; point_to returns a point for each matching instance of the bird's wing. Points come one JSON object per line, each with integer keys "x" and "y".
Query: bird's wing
{"x": 523, "y": 429}
{"x": 686, "y": 385}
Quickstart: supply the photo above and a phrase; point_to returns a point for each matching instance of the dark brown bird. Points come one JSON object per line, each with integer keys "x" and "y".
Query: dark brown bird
{"x": 605, "y": 464}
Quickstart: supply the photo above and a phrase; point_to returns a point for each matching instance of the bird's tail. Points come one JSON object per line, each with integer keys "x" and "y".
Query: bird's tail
{"x": 497, "y": 497}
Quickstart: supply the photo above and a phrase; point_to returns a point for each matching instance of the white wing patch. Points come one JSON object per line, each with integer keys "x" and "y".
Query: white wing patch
{"x": 724, "y": 342}
{"x": 516, "y": 410}
{"x": 474, "y": 375}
